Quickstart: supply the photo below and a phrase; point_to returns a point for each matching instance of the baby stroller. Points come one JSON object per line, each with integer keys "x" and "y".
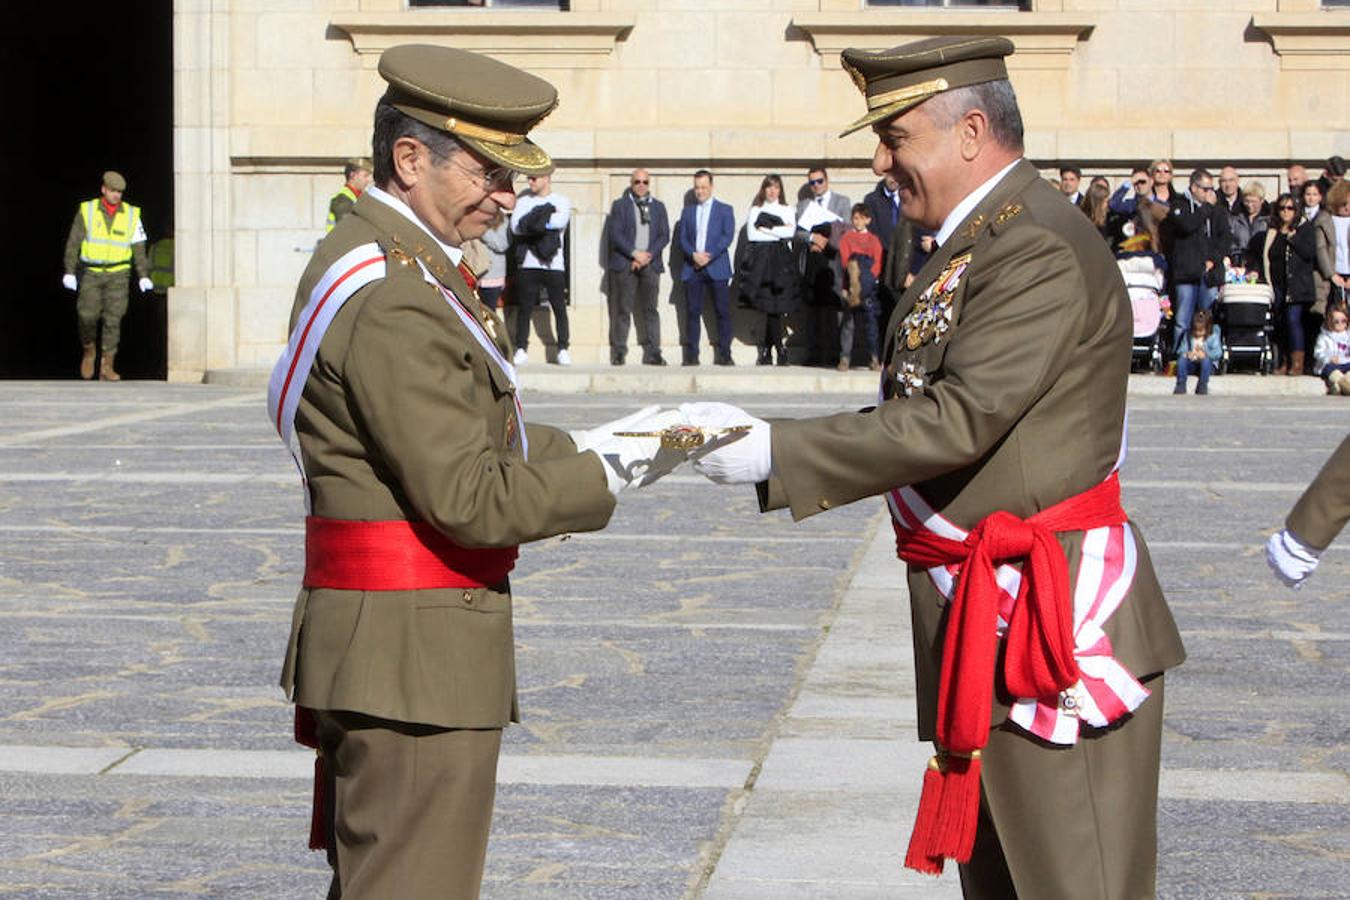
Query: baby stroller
{"x": 1144, "y": 282}
{"x": 1247, "y": 326}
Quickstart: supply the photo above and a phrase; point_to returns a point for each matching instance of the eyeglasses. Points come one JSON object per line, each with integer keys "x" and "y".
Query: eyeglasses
{"x": 815, "y": 182}
{"x": 1161, "y": 171}
{"x": 1287, "y": 208}
{"x": 640, "y": 181}
{"x": 494, "y": 179}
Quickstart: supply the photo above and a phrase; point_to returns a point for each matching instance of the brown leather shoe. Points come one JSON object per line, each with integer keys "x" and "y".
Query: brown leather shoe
{"x": 87, "y": 362}
{"x": 105, "y": 372}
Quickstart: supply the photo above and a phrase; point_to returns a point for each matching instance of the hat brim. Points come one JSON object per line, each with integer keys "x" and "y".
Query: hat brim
{"x": 527, "y": 157}
{"x": 882, "y": 113}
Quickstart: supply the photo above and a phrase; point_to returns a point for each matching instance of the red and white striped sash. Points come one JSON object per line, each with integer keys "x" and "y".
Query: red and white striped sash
{"x": 1106, "y": 690}
{"x": 353, "y": 271}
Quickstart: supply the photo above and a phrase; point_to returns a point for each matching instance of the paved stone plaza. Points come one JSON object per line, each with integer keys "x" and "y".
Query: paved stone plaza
{"x": 717, "y": 703}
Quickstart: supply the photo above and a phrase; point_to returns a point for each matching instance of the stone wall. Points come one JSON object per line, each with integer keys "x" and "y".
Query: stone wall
{"x": 272, "y": 95}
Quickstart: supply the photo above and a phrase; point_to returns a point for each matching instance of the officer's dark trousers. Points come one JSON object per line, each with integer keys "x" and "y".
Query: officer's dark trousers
{"x": 694, "y": 290}
{"x": 1070, "y": 823}
{"x": 633, "y": 297}
{"x": 526, "y": 287}
{"x": 102, "y": 295}
{"x": 408, "y": 807}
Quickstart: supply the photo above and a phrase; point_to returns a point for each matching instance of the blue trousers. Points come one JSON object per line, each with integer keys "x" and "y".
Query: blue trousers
{"x": 694, "y": 289}
{"x": 1202, "y": 367}
{"x": 1189, "y": 296}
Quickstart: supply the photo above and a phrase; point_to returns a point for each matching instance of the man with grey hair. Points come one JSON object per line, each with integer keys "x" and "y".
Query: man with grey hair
{"x": 398, "y": 400}
{"x": 996, "y": 443}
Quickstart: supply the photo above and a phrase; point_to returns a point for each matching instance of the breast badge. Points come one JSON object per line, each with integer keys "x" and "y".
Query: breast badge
{"x": 910, "y": 379}
{"x": 931, "y": 318}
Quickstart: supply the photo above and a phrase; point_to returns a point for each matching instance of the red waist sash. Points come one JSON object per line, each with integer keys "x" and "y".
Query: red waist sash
{"x": 1039, "y": 659}
{"x": 396, "y": 556}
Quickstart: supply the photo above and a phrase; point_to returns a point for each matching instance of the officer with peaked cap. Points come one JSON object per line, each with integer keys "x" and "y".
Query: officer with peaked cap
{"x": 397, "y": 397}
{"x": 1040, "y": 631}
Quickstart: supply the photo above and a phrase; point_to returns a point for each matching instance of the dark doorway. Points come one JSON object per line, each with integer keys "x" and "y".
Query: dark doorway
{"x": 82, "y": 89}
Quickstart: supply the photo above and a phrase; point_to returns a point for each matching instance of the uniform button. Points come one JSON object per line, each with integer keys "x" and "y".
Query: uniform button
{"x": 823, "y": 503}
{"x": 468, "y": 597}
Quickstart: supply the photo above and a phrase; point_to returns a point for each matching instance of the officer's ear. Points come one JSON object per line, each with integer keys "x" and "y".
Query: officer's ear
{"x": 409, "y": 158}
{"x": 974, "y": 133}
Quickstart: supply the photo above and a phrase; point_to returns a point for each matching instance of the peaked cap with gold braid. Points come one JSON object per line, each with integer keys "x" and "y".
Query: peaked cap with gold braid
{"x": 902, "y": 77}
{"x": 485, "y": 103}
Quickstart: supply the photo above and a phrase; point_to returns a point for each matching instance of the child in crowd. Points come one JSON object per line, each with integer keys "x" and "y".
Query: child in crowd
{"x": 860, "y": 254}
{"x": 1199, "y": 351}
{"x": 1331, "y": 354}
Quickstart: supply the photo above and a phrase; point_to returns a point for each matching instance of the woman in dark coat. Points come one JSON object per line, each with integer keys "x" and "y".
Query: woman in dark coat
{"x": 766, "y": 278}
{"x": 1287, "y": 252}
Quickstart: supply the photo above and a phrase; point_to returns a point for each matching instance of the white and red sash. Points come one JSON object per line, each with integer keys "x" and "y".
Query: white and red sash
{"x": 353, "y": 271}
{"x": 1106, "y": 690}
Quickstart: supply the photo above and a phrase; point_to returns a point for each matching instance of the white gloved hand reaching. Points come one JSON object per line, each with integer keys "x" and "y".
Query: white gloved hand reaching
{"x": 146, "y": 285}
{"x": 632, "y": 461}
{"x": 743, "y": 458}
{"x": 68, "y": 282}
{"x": 1290, "y": 559}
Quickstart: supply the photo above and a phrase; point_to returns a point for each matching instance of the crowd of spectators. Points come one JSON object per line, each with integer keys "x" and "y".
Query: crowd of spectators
{"x": 1218, "y": 231}
{"x": 836, "y": 268}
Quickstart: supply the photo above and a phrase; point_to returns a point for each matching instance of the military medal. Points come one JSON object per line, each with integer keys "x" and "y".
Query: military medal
{"x": 910, "y": 379}
{"x": 931, "y": 318}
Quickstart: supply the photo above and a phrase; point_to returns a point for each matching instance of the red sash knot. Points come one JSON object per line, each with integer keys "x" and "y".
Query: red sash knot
{"x": 383, "y": 556}
{"x": 1039, "y": 656}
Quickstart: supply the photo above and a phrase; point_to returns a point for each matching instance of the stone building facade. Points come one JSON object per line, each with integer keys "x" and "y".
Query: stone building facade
{"x": 272, "y": 95}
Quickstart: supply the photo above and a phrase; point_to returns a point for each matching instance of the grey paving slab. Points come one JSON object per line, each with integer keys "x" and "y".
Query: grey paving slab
{"x": 150, "y": 550}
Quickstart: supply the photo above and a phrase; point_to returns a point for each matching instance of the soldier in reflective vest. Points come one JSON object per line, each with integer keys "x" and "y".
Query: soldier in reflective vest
{"x": 358, "y": 175}
{"x": 106, "y": 239}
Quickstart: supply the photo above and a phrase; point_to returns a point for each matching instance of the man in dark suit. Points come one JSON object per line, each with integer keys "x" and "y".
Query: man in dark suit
{"x": 897, "y": 238}
{"x": 638, "y": 231}
{"x": 707, "y": 228}
{"x": 817, "y": 247}
{"x": 996, "y": 445}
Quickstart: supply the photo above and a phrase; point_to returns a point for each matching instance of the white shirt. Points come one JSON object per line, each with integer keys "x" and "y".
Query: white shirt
{"x": 562, "y": 214}
{"x": 701, "y": 216}
{"x": 972, "y": 200}
{"x": 406, "y": 212}
{"x": 777, "y": 233}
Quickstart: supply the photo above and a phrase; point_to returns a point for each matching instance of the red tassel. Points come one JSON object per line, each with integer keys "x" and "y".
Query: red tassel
{"x": 959, "y": 814}
{"x": 318, "y": 834}
{"x": 918, "y": 856}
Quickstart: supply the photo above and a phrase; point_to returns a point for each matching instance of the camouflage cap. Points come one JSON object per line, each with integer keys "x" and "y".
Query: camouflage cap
{"x": 900, "y": 78}
{"x": 487, "y": 104}
{"x": 114, "y": 181}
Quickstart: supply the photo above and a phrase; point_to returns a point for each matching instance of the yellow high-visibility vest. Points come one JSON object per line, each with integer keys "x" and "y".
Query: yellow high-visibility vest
{"x": 347, "y": 192}
{"x": 108, "y": 247}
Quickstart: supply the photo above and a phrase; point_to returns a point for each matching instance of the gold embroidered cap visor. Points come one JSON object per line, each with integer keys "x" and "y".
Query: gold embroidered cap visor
{"x": 484, "y": 103}
{"x": 898, "y": 79}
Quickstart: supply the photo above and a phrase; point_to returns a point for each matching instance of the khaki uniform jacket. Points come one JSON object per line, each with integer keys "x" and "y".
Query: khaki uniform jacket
{"x": 1322, "y": 511}
{"x": 1024, "y": 407}
{"x": 404, "y": 417}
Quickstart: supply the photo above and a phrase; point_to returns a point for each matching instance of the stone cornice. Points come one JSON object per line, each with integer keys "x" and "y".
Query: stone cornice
{"x": 1307, "y": 40}
{"x": 1044, "y": 40}
{"x": 530, "y": 39}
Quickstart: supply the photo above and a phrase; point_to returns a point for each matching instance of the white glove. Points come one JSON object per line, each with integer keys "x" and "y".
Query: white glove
{"x": 68, "y": 282}
{"x": 146, "y": 285}
{"x": 744, "y": 458}
{"x": 638, "y": 461}
{"x": 585, "y": 438}
{"x": 1290, "y": 560}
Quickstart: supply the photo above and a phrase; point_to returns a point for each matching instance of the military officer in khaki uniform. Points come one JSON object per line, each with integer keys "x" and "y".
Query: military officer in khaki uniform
{"x": 995, "y": 441}
{"x": 1318, "y": 516}
{"x": 106, "y": 239}
{"x": 422, "y": 478}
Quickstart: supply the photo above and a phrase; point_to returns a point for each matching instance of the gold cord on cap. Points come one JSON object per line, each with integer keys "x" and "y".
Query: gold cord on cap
{"x": 922, "y": 89}
{"x": 479, "y": 132}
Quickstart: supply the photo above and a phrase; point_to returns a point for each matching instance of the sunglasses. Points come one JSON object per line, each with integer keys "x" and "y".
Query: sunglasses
{"x": 640, "y": 181}
{"x": 1287, "y": 208}
{"x": 1162, "y": 171}
{"x": 1142, "y": 182}
{"x": 815, "y": 181}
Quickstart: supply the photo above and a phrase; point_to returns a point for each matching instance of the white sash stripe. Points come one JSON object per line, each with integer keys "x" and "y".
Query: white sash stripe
{"x": 356, "y": 269}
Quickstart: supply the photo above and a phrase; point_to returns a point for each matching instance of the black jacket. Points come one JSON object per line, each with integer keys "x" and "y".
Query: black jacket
{"x": 532, "y": 234}
{"x": 896, "y": 239}
{"x": 1196, "y": 232}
